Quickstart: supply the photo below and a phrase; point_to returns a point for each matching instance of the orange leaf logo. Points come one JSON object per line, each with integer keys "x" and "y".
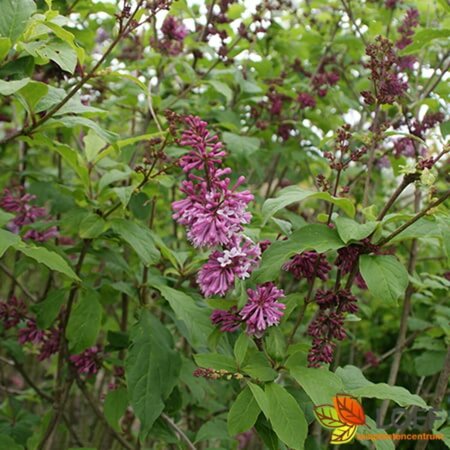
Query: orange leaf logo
{"x": 343, "y": 434}
{"x": 349, "y": 410}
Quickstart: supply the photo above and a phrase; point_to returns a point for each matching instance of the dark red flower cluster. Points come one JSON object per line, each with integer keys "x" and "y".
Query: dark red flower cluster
{"x": 406, "y": 29}
{"x": 343, "y": 154}
{"x": 88, "y": 362}
{"x": 329, "y": 324}
{"x": 173, "y": 34}
{"x": 371, "y": 359}
{"x": 307, "y": 265}
{"x": 383, "y": 65}
{"x": 14, "y": 312}
{"x": 324, "y": 78}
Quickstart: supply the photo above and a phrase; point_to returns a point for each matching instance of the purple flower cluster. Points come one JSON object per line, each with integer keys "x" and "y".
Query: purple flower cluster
{"x": 19, "y": 202}
{"x": 261, "y": 311}
{"x": 406, "y": 146}
{"x": 329, "y": 324}
{"x": 306, "y": 100}
{"x": 213, "y": 211}
{"x": 174, "y": 33}
{"x": 47, "y": 341}
{"x": 12, "y": 312}
{"x": 307, "y": 265}
{"x": 406, "y": 29}
{"x": 383, "y": 64}
{"x": 87, "y": 362}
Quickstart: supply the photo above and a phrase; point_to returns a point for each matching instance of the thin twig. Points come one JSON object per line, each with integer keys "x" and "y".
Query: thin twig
{"x": 406, "y": 310}
{"x": 415, "y": 218}
{"x": 100, "y": 414}
{"x": 18, "y": 283}
{"x": 26, "y": 131}
{"x": 178, "y": 430}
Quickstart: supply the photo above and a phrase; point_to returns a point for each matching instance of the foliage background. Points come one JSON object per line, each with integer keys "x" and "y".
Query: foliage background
{"x": 106, "y": 273}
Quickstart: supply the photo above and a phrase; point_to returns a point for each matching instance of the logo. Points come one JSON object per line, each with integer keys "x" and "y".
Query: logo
{"x": 346, "y": 413}
{"x": 343, "y": 418}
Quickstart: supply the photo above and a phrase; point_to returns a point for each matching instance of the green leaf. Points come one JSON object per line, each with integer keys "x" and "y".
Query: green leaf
{"x": 423, "y": 37}
{"x": 358, "y": 386}
{"x": 349, "y": 230}
{"x": 215, "y": 361}
{"x": 266, "y": 433}
{"x": 241, "y": 145}
{"x": 50, "y": 259}
{"x": 286, "y": 417}
{"x": 8, "y": 443}
{"x": 320, "y": 384}
{"x": 84, "y": 322}
{"x": 74, "y": 121}
{"x": 139, "y": 238}
{"x": 294, "y": 194}
{"x": 385, "y": 276}
{"x": 92, "y": 226}
{"x": 260, "y": 397}
{"x": 7, "y": 239}
{"x": 61, "y": 53}
{"x": 112, "y": 176}
{"x": 14, "y": 17}
{"x": 5, "y": 217}
{"x": 92, "y": 145}
{"x": 213, "y": 429}
{"x": 152, "y": 369}
{"x": 221, "y": 88}
{"x": 116, "y": 403}
{"x": 243, "y": 413}
{"x": 32, "y": 93}
{"x": 429, "y": 363}
{"x": 310, "y": 237}
{"x": 258, "y": 367}
{"x": 73, "y": 105}
{"x": 5, "y": 46}
{"x": 9, "y": 87}
{"x": 240, "y": 348}
{"x": 194, "y": 318}
{"x": 47, "y": 310}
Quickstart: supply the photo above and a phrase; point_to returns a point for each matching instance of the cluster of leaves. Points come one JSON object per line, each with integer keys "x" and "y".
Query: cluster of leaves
{"x": 335, "y": 113}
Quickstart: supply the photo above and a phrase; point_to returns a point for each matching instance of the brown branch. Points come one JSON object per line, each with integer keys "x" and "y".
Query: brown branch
{"x": 92, "y": 403}
{"x": 349, "y": 12}
{"x": 62, "y": 389}
{"x": 208, "y": 21}
{"x": 408, "y": 341}
{"x": 181, "y": 435}
{"x": 407, "y": 180}
{"x": 415, "y": 218}
{"x": 406, "y": 310}
{"x": 26, "y": 131}
{"x": 18, "y": 283}
{"x": 440, "y": 392}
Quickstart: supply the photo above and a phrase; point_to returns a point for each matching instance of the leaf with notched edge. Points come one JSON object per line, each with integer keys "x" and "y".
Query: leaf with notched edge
{"x": 342, "y": 435}
{"x": 349, "y": 410}
{"x": 328, "y": 416}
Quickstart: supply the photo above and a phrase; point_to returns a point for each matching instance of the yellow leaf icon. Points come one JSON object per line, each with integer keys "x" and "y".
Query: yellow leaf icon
{"x": 328, "y": 417}
{"x": 344, "y": 434}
